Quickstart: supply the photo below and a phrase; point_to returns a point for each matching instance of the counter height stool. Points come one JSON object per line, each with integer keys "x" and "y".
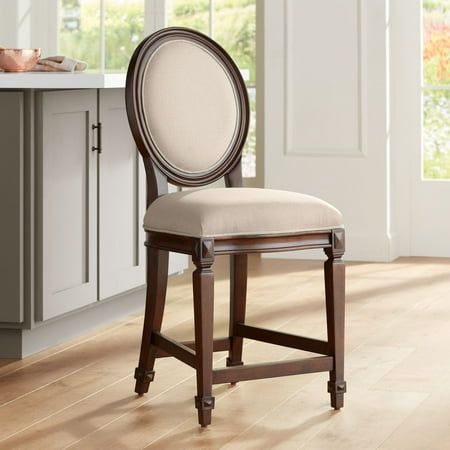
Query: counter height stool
{"x": 189, "y": 113}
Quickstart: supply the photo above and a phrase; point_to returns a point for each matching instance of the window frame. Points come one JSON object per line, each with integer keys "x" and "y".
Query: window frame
{"x": 154, "y": 19}
{"x": 424, "y": 88}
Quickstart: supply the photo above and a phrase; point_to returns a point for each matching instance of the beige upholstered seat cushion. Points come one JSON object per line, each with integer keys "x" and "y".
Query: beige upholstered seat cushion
{"x": 239, "y": 212}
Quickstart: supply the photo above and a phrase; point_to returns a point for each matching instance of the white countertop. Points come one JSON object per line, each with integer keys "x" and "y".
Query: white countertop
{"x": 46, "y": 80}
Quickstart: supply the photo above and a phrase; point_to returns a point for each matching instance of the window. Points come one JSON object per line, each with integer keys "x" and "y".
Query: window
{"x": 102, "y": 33}
{"x": 232, "y": 23}
{"x": 436, "y": 89}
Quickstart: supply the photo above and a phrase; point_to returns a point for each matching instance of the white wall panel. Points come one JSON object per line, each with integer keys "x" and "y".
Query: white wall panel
{"x": 323, "y": 76}
{"x": 331, "y": 143}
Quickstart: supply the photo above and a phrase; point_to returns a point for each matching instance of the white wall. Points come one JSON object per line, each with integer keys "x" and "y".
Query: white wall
{"x": 28, "y": 24}
{"x": 327, "y": 110}
{"x": 405, "y": 113}
{"x": 8, "y": 23}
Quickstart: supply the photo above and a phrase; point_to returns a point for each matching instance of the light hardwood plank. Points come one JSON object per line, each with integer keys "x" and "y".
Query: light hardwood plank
{"x": 427, "y": 427}
{"x": 80, "y": 395}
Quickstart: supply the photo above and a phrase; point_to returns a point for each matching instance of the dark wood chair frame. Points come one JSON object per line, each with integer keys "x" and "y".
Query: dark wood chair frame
{"x": 199, "y": 353}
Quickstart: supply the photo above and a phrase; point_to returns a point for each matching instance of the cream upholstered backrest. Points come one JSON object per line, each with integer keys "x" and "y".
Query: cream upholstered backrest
{"x": 187, "y": 106}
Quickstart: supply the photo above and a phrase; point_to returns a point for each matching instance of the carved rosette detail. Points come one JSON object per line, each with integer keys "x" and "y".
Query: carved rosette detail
{"x": 144, "y": 376}
{"x": 338, "y": 242}
{"x": 337, "y": 387}
{"x": 204, "y": 403}
{"x": 337, "y": 248}
{"x": 204, "y": 252}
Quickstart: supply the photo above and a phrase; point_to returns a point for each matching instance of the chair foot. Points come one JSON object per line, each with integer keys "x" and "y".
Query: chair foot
{"x": 337, "y": 389}
{"x": 205, "y": 405}
{"x": 143, "y": 379}
{"x": 231, "y": 363}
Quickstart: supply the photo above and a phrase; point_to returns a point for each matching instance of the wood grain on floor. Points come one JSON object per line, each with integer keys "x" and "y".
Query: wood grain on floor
{"x": 80, "y": 395}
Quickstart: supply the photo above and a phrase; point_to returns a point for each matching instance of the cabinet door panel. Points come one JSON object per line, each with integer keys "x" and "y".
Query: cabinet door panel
{"x": 11, "y": 201}
{"x": 122, "y": 200}
{"x": 68, "y": 220}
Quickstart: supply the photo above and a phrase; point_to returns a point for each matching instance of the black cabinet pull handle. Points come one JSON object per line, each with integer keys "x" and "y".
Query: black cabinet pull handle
{"x": 98, "y": 147}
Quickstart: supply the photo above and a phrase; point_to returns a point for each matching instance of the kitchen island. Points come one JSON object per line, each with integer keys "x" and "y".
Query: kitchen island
{"x": 72, "y": 195}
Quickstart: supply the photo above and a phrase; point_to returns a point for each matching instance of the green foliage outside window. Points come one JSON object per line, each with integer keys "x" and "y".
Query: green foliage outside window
{"x": 436, "y": 96}
{"x": 233, "y": 25}
{"x": 79, "y": 34}
{"x": 190, "y": 14}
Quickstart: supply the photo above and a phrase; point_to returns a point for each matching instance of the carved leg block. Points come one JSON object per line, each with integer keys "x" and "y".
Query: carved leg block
{"x": 204, "y": 405}
{"x": 337, "y": 391}
{"x": 143, "y": 379}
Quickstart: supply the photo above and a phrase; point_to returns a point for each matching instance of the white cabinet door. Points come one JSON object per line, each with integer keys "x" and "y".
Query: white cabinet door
{"x": 121, "y": 200}
{"x": 67, "y": 202}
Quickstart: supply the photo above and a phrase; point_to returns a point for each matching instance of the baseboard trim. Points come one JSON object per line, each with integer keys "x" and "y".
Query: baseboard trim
{"x": 17, "y": 343}
{"x": 10, "y": 343}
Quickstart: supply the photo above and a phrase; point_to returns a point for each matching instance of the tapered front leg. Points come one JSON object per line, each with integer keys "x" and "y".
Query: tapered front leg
{"x": 203, "y": 284}
{"x": 157, "y": 271}
{"x": 335, "y": 304}
{"x": 238, "y": 297}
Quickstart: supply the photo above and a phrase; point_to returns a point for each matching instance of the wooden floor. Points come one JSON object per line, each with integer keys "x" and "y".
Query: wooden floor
{"x": 80, "y": 395}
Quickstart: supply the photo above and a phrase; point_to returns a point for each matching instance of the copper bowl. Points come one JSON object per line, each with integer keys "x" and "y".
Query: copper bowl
{"x": 18, "y": 59}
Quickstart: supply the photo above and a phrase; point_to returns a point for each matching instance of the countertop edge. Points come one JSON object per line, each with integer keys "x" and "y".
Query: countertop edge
{"x": 37, "y": 80}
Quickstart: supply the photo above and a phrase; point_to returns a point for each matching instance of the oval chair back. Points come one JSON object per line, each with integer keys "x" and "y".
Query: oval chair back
{"x": 187, "y": 106}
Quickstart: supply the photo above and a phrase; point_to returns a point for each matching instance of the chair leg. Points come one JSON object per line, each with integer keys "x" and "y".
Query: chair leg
{"x": 157, "y": 271}
{"x": 335, "y": 305}
{"x": 203, "y": 284}
{"x": 238, "y": 297}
